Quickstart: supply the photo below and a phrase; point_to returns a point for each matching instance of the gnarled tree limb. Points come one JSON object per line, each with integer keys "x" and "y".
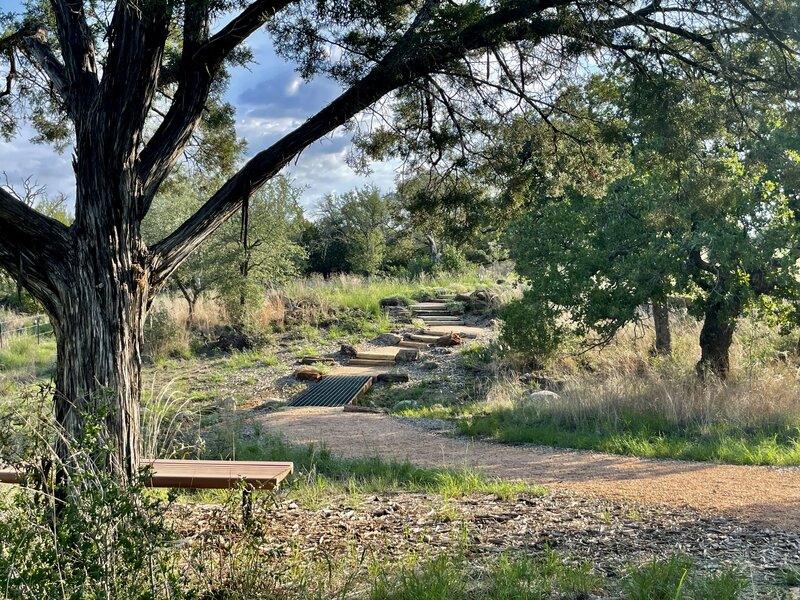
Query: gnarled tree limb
{"x": 32, "y": 246}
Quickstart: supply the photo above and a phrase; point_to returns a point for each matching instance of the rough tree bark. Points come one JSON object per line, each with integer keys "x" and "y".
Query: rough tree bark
{"x": 716, "y": 338}
{"x": 663, "y": 343}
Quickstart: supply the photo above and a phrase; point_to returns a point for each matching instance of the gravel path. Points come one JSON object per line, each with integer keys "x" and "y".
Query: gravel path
{"x": 760, "y": 495}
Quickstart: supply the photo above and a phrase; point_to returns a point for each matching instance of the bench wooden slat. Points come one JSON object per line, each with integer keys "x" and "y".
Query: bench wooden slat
{"x": 9, "y": 475}
{"x": 202, "y": 474}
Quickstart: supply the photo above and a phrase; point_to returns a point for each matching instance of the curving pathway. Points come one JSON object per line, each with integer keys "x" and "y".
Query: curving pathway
{"x": 763, "y": 495}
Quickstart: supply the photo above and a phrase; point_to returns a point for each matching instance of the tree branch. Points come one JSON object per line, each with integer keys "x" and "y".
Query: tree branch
{"x": 221, "y": 44}
{"x": 200, "y": 63}
{"x": 32, "y": 42}
{"x": 137, "y": 37}
{"x": 31, "y": 247}
{"x": 78, "y": 51}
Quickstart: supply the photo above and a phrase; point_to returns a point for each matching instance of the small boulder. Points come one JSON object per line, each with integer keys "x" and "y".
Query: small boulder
{"x": 388, "y": 339}
{"x": 347, "y": 350}
{"x": 429, "y": 365}
{"x": 307, "y": 374}
{"x": 483, "y": 300}
{"x": 541, "y": 397}
{"x": 407, "y": 355}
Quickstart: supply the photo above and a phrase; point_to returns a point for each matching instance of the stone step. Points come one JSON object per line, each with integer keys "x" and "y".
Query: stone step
{"x": 428, "y": 306}
{"x": 437, "y": 323}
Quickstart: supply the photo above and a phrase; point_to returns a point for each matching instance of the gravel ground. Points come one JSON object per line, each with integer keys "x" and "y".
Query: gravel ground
{"x": 608, "y": 533}
{"x": 758, "y": 495}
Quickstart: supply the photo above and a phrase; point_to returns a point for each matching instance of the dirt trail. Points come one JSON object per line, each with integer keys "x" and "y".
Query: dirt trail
{"x": 760, "y": 495}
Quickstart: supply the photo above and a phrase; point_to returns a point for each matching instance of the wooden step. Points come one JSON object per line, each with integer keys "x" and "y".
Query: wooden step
{"x": 428, "y": 339}
{"x": 418, "y": 345}
{"x": 378, "y": 355}
{"x": 467, "y": 336}
{"x": 442, "y": 318}
{"x": 365, "y": 362}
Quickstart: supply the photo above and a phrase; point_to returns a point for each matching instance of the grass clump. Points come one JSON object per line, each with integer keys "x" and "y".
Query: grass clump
{"x": 675, "y": 578}
{"x": 511, "y": 576}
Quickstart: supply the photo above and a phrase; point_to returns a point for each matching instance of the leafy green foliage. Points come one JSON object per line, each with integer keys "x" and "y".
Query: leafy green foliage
{"x": 238, "y": 269}
{"x": 696, "y": 212}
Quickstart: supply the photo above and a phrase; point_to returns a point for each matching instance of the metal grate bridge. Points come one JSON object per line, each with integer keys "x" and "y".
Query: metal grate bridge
{"x": 334, "y": 390}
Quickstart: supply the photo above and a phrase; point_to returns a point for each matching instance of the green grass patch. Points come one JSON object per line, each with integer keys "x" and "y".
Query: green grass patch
{"x": 249, "y": 359}
{"x": 516, "y": 576}
{"x": 319, "y": 473}
{"x": 639, "y": 434}
{"x": 676, "y": 577}
{"x": 406, "y": 397}
{"x": 24, "y": 359}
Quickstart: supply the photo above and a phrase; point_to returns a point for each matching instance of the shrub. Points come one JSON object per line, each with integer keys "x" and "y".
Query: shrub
{"x": 89, "y": 536}
{"x": 529, "y": 330}
{"x": 164, "y": 336}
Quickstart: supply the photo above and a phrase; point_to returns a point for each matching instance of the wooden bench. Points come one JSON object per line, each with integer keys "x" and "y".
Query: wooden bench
{"x": 203, "y": 475}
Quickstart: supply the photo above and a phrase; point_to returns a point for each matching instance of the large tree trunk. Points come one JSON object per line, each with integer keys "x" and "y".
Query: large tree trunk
{"x": 98, "y": 320}
{"x": 716, "y": 338}
{"x": 663, "y": 344}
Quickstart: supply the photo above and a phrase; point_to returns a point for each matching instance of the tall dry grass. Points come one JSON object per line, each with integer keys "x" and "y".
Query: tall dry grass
{"x": 625, "y": 379}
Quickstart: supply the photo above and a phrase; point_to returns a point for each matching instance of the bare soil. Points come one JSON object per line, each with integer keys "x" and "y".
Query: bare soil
{"x": 765, "y": 496}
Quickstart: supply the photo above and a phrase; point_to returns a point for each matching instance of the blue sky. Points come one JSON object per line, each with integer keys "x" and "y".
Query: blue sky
{"x": 270, "y": 100}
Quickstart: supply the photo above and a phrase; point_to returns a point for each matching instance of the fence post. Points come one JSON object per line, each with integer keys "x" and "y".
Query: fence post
{"x": 38, "y": 330}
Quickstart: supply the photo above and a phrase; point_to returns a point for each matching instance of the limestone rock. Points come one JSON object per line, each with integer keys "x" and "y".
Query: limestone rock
{"x": 541, "y": 397}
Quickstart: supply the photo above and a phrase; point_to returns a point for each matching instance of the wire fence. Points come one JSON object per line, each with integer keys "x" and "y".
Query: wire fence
{"x": 37, "y": 326}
